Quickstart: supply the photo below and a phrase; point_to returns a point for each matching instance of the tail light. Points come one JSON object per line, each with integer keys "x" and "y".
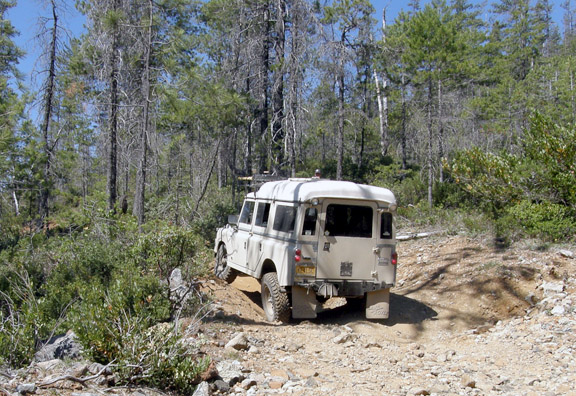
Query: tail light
{"x": 394, "y": 258}
{"x": 297, "y": 255}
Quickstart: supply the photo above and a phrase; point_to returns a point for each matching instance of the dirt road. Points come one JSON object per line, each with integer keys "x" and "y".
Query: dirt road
{"x": 466, "y": 319}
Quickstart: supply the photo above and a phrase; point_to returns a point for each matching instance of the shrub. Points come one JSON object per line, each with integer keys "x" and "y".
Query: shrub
{"x": 19, "y": 324}
{"x": 119, "y": 324}
{"x": 544, "y": 220}
{"x": 132, "y": 302}
{"x": 161, "y": 357}
{"x": 167, "y": 248}
{"x": 406, "y": 184}
{"x": 216, "y": 215}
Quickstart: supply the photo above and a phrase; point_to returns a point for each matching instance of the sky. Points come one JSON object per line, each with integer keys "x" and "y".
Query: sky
{"x": 26, "y": 16}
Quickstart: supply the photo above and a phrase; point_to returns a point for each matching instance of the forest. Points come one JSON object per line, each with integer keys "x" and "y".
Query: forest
{"x": 160, "y": 106}
{"x": 150, "y": 122}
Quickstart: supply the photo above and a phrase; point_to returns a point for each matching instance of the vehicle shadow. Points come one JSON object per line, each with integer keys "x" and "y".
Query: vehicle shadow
{"x": 403, "y": 310}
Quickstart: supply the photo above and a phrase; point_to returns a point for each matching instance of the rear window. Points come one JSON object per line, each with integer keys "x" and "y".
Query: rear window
{"x": 309, "y": 226}
{"x": 386, "y": 226}
{"x": 349, "y": 220}
{"x": 284, "y": 218}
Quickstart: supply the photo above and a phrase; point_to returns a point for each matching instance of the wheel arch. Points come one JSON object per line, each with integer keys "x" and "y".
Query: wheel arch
{"x": 267, "y": 266}
{"x": 217, "y": 247}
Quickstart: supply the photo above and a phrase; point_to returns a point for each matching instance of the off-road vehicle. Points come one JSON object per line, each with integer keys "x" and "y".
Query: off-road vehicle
{"x": 308, "y": 240}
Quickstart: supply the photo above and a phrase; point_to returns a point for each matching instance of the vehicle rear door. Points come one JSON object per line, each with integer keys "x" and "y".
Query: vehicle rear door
{"x": 347, "y": 241}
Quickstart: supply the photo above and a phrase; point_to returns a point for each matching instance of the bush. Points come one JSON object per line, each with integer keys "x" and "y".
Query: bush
{"x": 165, "y": 359}
{"x": 102, "y": 282}
{"x": 544, "y": 220}
{"x": 168, "y": 247}
{"x": 216, "y": 215}
{"x": 119, "y": 324}
{"x": 19, "y": 324}
{"x": 132, "y": 302}
{"x": 406, "y": 184}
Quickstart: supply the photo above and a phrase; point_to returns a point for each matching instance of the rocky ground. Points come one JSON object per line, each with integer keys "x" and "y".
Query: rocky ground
{"x": 467, "y": 318}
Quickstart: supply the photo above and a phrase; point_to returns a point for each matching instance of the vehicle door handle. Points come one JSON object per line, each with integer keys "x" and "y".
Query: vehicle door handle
{"x": 376, "y": 250}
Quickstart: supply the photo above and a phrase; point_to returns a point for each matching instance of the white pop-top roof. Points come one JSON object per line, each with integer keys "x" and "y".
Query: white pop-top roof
{"x": 302, "y": 190}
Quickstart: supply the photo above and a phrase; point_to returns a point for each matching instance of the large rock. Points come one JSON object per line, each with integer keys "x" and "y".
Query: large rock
{"x": 59, "y": 347}
{"x": 230, "y": 371}
{"x": 202, "y": 390}
{"x": 239, "y": 342}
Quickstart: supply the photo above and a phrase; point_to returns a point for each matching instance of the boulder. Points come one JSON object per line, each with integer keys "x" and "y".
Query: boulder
{"x": 59, "y": 347}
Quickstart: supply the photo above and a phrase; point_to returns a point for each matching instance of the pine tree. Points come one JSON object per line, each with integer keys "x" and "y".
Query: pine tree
{"x": 10, "y": 110}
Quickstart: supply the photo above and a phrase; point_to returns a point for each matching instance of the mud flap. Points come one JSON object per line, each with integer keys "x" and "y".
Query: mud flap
{"x": 378, "y": 304}
{"x": 303, "y": 303}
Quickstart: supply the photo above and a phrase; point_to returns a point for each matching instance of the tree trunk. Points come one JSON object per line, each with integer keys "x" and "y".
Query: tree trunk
{"x": 403, "y": 138}
{"x": 440, "y": 131}
{"x": 278, "y": 134}
{"x": 48, "y": 109}
{"x": 113, "y": 122}
{"x": 139, "y": 207}
{"x": 430, "y": 137}
{"x": 340, "y": 137}
{"x": 382, "y": 114}
{"x": 263, "y": 85}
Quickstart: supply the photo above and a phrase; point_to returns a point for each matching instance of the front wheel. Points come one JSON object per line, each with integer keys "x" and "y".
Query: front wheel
{"x": 221, "y": 268}
{"x": 274, "y": 301}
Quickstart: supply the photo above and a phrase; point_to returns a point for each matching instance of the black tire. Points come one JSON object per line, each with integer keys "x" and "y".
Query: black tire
{"x": 275, "y": 302}
{"x": 221, "y": 269}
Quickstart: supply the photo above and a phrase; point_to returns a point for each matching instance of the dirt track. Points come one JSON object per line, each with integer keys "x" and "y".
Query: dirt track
{"x": 466, "y": 318}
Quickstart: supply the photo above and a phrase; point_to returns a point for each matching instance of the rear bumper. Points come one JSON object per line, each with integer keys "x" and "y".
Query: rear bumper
{"x": 343, "y": 288}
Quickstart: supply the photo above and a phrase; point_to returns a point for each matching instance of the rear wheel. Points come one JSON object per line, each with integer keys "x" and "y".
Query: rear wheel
{"x": 275, "y": 302}
{"x": 221, "y": 268}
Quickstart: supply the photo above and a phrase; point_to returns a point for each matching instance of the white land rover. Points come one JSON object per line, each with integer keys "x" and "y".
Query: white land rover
{"x": 311, "y": 239}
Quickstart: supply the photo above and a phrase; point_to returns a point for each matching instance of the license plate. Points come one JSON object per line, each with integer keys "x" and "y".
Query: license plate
{"x": 305, "y": 270}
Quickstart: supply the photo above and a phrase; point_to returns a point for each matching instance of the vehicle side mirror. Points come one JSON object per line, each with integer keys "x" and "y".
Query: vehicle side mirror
{"x": 233, "y": 220}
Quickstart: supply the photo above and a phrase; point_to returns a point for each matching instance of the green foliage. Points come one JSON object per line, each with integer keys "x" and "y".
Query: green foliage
{"x": 9, "y": 231}
{"x": 131, "y": 303}
{"x": 533, "y": 193}
{"x": 20, "y": 322}
{"x": 166, "y": 359}
{"x": 167, "y": 247}
{"x": 407, "y": 184}
{"x": 215, "y": 215}
{"x": 550, "y": 151}
{"x": 452, "y": 221}
{"x": 103, "y": 282}
{"x": 546, "y": 221}
{"x": 491, "y": 181}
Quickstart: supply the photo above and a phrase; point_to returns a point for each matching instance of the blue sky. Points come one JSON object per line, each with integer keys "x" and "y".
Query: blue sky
{"x": 27, "y": 14}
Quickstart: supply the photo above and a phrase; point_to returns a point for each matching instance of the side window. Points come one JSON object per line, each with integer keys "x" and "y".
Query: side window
{"x": 246, "y": 214}
{"x": 285, "y": 218}
{"x": 349, "y": 221}
{"x": 310, "y": 216}
{"x": 262, "y": 214}
{"x": 386, "y": 226}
